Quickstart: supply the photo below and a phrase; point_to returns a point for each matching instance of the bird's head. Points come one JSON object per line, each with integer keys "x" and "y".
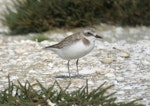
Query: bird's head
{"x": 90, "y": 34}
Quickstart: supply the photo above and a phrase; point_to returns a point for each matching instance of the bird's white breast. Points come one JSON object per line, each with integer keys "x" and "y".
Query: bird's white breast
{"x": 75, "y": 50}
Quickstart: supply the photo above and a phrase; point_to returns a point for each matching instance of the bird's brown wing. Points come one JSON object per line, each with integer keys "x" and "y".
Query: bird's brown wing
{"x": 67, "y": 41}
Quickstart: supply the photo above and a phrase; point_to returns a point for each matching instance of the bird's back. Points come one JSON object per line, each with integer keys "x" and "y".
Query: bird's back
{"x": 67, "y": 41}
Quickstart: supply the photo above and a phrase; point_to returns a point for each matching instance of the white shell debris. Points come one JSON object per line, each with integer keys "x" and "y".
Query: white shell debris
{"x": 50, "y": 103}
{"x": 110, "y": 75}
{"x": 125, "y": 55}
{"x": 124, "y": 64}
{"x": 107, "y": 60}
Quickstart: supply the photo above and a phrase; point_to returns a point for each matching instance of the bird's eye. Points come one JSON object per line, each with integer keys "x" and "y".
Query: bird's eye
{"x": 89, "y": 33}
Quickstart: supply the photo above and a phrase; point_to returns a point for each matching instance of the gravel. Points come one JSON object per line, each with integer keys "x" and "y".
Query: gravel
{"x": 122, "y": 58}
{"x": 126, "y": 65}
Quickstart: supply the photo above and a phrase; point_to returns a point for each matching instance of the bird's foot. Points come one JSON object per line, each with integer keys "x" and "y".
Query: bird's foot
{"x": 78, "y": 76}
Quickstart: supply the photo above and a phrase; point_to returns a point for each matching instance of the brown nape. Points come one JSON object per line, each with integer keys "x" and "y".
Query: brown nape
{"x": 85, "y": 41}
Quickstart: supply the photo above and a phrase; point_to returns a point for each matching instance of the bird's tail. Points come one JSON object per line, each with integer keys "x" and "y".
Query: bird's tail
{"x": 50, "y": 48}
{"x": 47, "y": 48}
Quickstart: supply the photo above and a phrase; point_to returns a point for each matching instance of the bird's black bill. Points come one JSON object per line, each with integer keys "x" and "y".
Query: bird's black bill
{"x": 97, "y": 36}
{"x": 46, "y": 48}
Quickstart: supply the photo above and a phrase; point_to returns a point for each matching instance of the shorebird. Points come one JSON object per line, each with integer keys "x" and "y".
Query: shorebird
{"x": 75, "y": 46}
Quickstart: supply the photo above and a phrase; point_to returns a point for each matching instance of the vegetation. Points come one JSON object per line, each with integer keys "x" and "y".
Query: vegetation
{"x": 39, "y": 37}
{"x": 42, "y": 15}
{"x": 26, "y": 95}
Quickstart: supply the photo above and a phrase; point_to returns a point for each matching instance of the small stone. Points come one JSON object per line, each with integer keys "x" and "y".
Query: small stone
{"x": 90, "y": 83}
{"x": 127, "y": 87}
{"x": 107, "y": 60}
{"x": 110, "y": 75}
{"x": 145, "y": 62}
{"x": 32, "y": 71}
{"x": 145, "y": 78}
{"x": 1, "y": 69}
{"x": 120, "y": 79}
{"x": 50, "y": 103}
{"x": 125, "y": 55}
{"x": 132, "y": 67}
{"x": 20, "y": 51}
{"x": 86, "y": 71}
{"x": 103, "y": 71}
{"x": 1, "y": 41}
{"x": 120, "y": 92}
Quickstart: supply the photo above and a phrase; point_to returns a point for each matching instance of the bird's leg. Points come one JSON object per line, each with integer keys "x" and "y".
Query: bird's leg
{"x": 77, "y": 66}
{"x": 68, "y": 68}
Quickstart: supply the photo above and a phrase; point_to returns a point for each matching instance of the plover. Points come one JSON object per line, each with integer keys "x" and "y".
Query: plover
{"x": 75, "y": 46}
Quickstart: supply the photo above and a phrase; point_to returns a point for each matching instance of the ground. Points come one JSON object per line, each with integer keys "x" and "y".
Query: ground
{"x": 117, "y": 59}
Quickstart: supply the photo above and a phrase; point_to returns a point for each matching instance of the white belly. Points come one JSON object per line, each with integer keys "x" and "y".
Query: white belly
{"x": 75, "y": 51}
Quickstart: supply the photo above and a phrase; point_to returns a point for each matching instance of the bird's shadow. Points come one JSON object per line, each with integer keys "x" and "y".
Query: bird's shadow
{"x": 74, "y": 76}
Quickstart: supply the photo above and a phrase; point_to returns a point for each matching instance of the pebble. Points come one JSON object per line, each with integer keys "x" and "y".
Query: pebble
{"x": 104, "y": 71}
{"x": 86, "y": 71}
{"x": 107, "y": 60}
{"x": 121, "y": 92}
{"x": 1, "y": 69}
{"x": 120, "y": 78}
{"x": 127, "y": 88}
{"x": 125, "y": 55}
{"x": 110, "y": 75}
{"x": 20, "y": 51}
{"x": 127, "y": 67}
{"x": 129, "y": 72}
